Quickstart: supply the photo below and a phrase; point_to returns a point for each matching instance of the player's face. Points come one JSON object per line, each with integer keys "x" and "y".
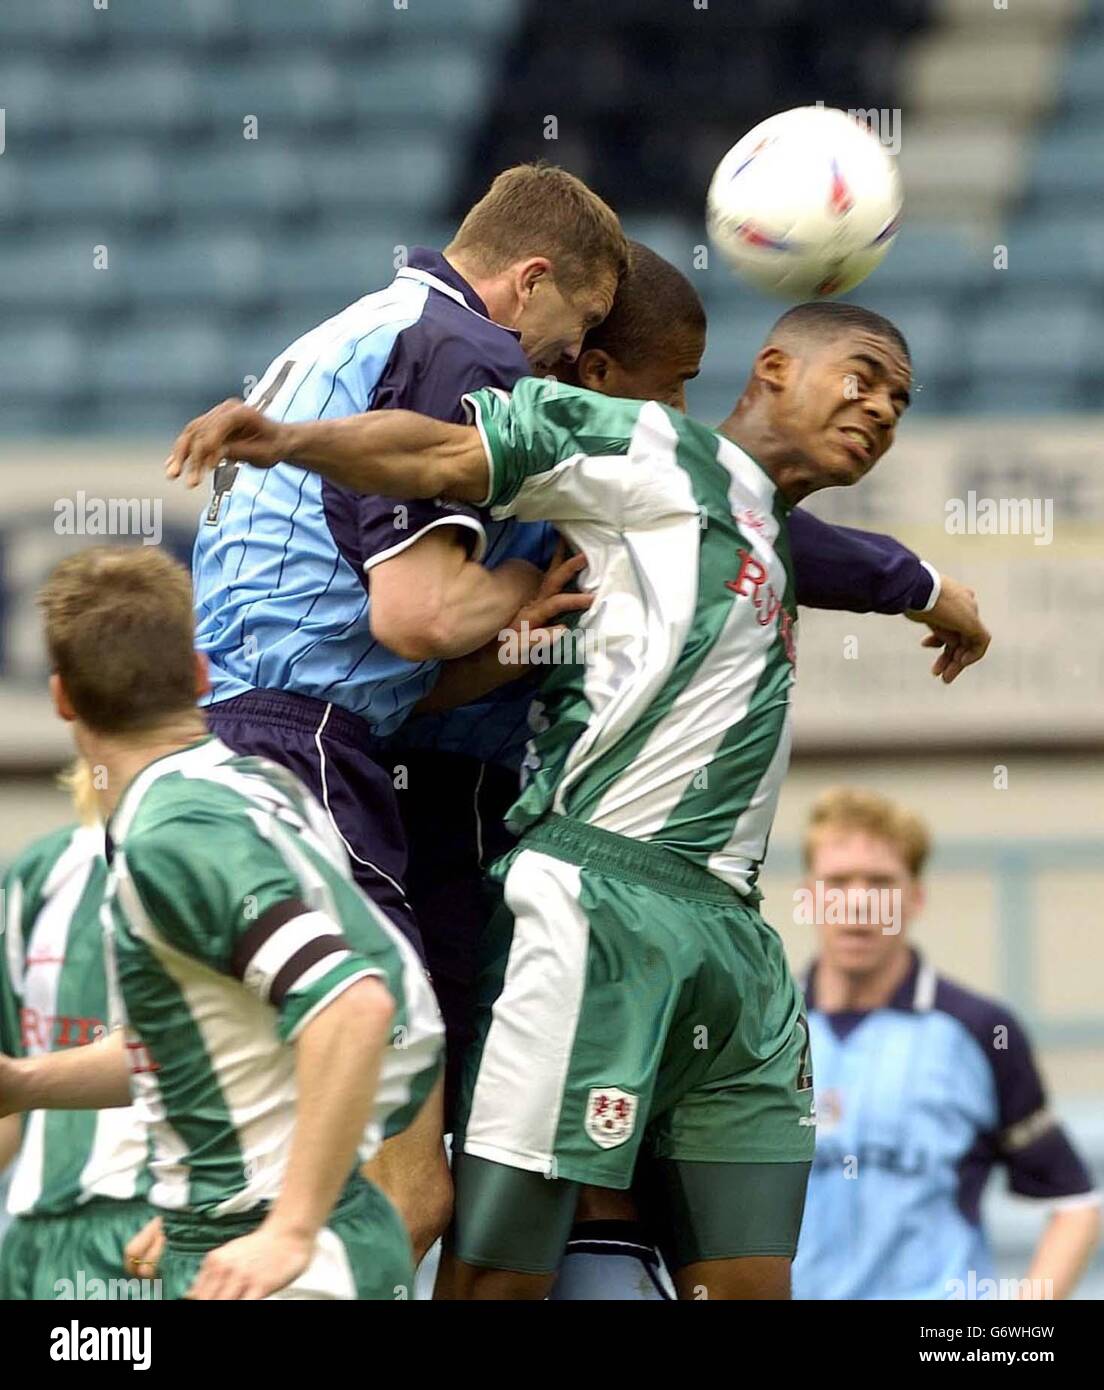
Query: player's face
{"x": 661, "y": 377}
{"x": 865, "y": 899}
{"x": 554, "y": 323}
{"x": 842, "y": 404}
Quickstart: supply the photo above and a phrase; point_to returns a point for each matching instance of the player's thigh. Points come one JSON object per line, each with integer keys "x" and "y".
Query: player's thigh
{"x": 506, "y": 1219}
{"x": 747, "y": 1214}
{"x": 412, "y": 1169}
{"x": 581, "y": 983}
{"x": 753, "y": 1103}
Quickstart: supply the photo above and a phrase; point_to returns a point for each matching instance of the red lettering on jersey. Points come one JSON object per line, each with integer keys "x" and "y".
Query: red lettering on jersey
{"x": 31, "y": 1029}
{"x": 752, "y": 572}
{"x": 749, "y": 583}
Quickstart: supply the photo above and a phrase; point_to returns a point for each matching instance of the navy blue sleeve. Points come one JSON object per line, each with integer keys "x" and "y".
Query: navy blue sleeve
{"x": 1027, "y": 1138}
{"x": 856, "y": 571}
{"x": 429, "y": 370}
{"x": 1033, "y": 1146}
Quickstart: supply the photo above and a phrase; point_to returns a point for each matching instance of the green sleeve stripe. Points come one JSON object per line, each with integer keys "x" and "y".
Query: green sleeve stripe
{"x": 493, "y": 445}
{"x": 299, "y": 1007}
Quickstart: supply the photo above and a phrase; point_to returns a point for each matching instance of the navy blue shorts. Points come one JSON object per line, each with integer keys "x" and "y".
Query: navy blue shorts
{"x": 453, "y": 808}
{"x": 335, "y": 754}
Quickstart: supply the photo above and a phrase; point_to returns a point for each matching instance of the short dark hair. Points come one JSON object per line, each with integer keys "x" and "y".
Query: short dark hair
{"x": 822, "y": 319}
{"x": 652, "y": 298}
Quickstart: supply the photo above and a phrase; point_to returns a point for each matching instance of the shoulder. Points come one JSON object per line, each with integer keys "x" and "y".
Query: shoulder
{"x": 990, "y": 1022}
{"x": 73, "y": 846}
{"x": 182, "y": 817}
{"x": 454, "y": 343}
{"x": 1003, "y": 1043}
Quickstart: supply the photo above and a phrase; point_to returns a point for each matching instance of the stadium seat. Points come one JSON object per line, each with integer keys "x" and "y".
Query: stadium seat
{"x": 1069, "y": 166}
{"x": 49, "y": 24}
{"x": 29, "y": 95}
{"x": 424, "y": 89}
{"x": 175, "y": 26}
{"x": 154, "y": 96}
{"x": 177, "y": 360}
{"x": 82, "y": 270}
{"x": 674, "y": 239}
{"x": 283, "y": 24}
{"x": 1034, "y": 337}
{"x": 330, "y": 269}
{"x": 1056, "y": 250}
{"x": 484, "y": 20}
{"x": 224, "y": 270}
{"x": 43, "y": 364}
{"x": 926, "y": 257}
{"x": 284, "y": 92}
{"x": 1083, "y": 83}
{"x": 382, "y": 177}
{"x": 122, "y": 181}
{"x": 255, "y": 179}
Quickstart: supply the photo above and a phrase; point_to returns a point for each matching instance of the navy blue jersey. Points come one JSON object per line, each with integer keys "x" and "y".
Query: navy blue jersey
{"x": 282, "y": 557}
{"x": 916, "y": 1104}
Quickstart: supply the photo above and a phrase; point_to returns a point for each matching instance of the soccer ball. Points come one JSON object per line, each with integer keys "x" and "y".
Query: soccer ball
{"x": 806, "y": 204}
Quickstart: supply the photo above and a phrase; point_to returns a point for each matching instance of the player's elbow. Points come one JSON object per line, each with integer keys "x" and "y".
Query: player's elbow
{"x": 367, "y": 1010}
{"x": 415, "y": 630}
{"x": 416, "y": 624}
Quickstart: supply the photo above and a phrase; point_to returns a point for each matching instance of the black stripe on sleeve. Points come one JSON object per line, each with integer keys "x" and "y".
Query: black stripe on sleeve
{"x": 269, "y": 922}
{"x": 301, "y": 962}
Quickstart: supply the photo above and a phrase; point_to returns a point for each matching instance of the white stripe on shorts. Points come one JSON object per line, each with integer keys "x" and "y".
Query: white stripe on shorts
{"x": 519, "y": 1091}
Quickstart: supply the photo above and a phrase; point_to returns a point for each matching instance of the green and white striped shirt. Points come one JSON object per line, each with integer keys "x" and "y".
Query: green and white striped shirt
{"x": 53, "y": 996}
{"x": 235, "y": 920}
{"x": 674, "y": 727}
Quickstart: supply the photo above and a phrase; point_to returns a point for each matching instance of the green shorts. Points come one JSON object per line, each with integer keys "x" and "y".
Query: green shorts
{"x": 75, "y": 1256}
{"x": 630, "y": 1001}
{"x": 363, "y": 1251}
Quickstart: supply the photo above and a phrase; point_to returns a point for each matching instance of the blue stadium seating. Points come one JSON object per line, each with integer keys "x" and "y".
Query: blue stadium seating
{"x": 124, "y": 131}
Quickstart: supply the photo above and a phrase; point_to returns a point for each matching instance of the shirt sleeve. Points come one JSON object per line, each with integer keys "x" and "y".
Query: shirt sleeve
{"x": 1040, "y": 1159}
{"x": 429, "y": 373}
{"x": 856, "y": 571}
{"x": 223, "y": 895}
{"x": 555, "y": 453}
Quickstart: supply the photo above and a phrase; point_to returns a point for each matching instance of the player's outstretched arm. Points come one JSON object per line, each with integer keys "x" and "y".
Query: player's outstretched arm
{"x": 956, "y": 627}
{"x": 337, "y": 1065}
{"x": 94, "y": 1077}
{"x": 395, "y": 453}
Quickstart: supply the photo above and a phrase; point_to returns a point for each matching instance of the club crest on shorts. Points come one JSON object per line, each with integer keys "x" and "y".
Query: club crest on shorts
{"x": 610, "y": 1116}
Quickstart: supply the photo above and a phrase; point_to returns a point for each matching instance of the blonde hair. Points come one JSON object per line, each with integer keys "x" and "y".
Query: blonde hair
{"x": 542, "y": 210}
{"x": 120, "y": 634}
{"x": 852, "y": 808}
{"x": 77, "y": 781}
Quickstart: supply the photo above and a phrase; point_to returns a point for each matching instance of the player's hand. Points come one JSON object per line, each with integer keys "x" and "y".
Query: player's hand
{"x": 233, "y": 431}
{"x": 143, "y": 1252}
{"x": 956, "y": 628}
{"x": 552, "y": 600}
{"x": 254, "y": 1266}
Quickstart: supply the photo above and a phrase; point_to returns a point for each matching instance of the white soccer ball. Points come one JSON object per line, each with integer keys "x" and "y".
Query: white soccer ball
{"x": 806, "y": 204}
